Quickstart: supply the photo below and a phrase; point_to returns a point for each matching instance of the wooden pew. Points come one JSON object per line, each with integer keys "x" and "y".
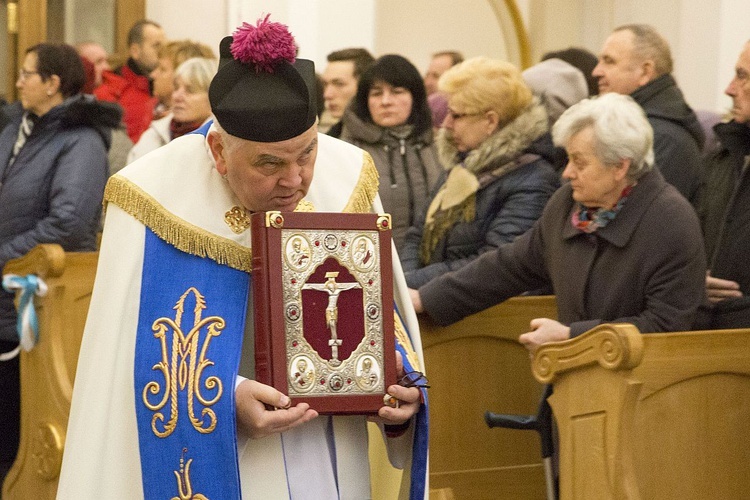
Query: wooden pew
{"x": 652, "y": 416}
{"x": 48, "y": 370}
{"x": 476, "y": 365}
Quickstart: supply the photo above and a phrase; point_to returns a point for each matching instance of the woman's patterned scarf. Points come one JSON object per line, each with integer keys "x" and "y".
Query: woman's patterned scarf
{"x": 455, "y": 201}
{"x": 589, "y": 220}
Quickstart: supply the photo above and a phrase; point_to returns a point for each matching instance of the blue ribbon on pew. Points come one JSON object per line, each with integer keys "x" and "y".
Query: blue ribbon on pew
{"x": 27, "y": 325}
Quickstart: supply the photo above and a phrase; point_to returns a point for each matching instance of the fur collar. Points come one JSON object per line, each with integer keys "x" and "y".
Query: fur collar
{"x": 504, "y": 145}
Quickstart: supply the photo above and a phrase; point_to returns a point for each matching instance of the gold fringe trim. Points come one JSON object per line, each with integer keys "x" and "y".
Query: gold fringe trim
{"x": 403, "y": 339}
{"x": 442, "y": 222}
{"x": 177, "y": 232}
{"x": 366, "y": 189}
{"x": 193, "y": 240}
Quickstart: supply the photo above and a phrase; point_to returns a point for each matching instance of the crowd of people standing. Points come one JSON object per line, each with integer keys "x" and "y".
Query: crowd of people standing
{"x": 585, "y": 177}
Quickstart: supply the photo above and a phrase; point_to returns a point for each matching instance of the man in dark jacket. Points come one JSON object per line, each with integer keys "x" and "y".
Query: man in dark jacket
{"x": 340, "y": 79}
{"x": 636, "y": 60}
{"x": 722, "y": 207}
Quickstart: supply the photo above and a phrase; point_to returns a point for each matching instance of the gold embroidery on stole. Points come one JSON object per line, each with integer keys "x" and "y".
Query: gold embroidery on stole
{"x": 182, "y": 368}
{"x": 183, "y": 481}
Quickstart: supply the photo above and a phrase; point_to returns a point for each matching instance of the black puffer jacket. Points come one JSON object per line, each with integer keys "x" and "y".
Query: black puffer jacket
{"x": 678, "y": 136}
{"x": 408, "y": 167}
{"x": 52, "y": 193}
{"x": 506, "y": 205}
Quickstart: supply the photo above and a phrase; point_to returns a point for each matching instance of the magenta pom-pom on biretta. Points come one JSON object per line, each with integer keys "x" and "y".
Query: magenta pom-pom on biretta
{"x": 262, "y": 92}
{"x": 264, "y": 44}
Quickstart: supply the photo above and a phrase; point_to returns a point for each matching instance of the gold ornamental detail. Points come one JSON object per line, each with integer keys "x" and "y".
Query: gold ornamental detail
{"x": 274, "y": 220}
{"x": 47, "y": 450}
{"x": 384, "y": 222}
{"x": 305, "y": 206}
{"x": 184, "y": 485}
{"x": 182, "y": 367}
{"x": 237, "y": 219}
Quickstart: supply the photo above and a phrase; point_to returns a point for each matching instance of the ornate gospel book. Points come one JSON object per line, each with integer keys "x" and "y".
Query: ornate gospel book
{"x": 323, "y": 297}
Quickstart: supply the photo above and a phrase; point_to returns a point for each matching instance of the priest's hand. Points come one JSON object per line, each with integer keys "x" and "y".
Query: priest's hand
{"x": 408, "y": 400}
{"x": 254, "y": 417}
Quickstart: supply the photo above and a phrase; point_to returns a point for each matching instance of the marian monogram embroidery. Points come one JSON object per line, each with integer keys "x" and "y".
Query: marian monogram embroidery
{"x": 184, "y": 357}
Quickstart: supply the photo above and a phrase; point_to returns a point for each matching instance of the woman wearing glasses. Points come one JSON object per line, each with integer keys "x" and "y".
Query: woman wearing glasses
{"x": 390, "y": 119}
{"x": 616, "y": 243}
{"x": 497, "y": 155}
{"x": 53, "y": 167}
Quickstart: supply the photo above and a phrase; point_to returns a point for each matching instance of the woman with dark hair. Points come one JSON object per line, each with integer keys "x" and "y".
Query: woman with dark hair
{"x": 390, "y": 119}
{"x": 53, "y": 167}
{"x": 498, "y": 156}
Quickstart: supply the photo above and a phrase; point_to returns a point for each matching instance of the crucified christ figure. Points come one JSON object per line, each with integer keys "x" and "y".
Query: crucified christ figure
{"x": 334, "y": 289}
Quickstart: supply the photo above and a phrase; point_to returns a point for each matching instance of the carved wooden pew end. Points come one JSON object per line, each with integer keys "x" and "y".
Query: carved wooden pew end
{"x": 651, "y": 416}
{"x": 48, "y": 370}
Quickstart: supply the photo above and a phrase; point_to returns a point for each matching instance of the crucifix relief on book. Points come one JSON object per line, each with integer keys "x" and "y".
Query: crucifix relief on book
{"x": 333, "y": 290}
{"x": 323, "y": 298}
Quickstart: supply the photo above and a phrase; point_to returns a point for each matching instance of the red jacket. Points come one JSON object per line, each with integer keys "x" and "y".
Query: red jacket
{"x": 131, "y": 91}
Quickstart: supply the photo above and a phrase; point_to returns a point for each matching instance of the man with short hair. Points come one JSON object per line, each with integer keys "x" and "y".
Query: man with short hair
{"x": 439, "y": 64}
{"x": 636, "y": 60}
{"x": 149, "y": 417}
{"x": 130, "y": 84}
{"x": 96, "y": 55}
{"x": 722, "y": 206}
{"x": 340, "y": 79}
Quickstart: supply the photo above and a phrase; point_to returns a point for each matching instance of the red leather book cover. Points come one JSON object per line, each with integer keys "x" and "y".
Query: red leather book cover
{"x": 323, "y": 298}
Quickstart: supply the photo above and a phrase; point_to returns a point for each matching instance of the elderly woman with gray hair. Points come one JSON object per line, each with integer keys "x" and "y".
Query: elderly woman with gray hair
{"x": 617, "y": 243}
{"x": 190, "y": 106}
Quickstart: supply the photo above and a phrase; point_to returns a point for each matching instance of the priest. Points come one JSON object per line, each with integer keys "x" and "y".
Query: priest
{"x": 159, "y": 409}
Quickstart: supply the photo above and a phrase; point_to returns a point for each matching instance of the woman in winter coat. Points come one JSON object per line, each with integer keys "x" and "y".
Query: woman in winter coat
{"x": 190, "y": 106}
{"x": 498, "y": 156}
{"x": 616, "y": 244}
{"x": 53, "y": 167}
{"x": 390, "y": 119}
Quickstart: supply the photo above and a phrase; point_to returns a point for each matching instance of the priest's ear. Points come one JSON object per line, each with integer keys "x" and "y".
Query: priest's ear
{"x": 217, "y": 145}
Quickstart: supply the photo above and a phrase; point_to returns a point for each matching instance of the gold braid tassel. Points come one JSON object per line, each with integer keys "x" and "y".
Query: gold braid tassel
{"x": 180, "y": 234}
{"x": 442, "y": 222}
{"x": 366, "y": 189}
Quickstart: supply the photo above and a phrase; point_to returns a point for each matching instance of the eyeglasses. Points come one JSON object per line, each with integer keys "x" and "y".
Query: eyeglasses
{"x": 414, "y": 379}
{"x": 23, "y": 74}
{"x": 457, "y": 116}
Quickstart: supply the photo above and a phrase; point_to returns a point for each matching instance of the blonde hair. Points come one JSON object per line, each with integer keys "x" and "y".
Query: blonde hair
{"x": 482, "y": 84}
{"x": 179, "y": 51}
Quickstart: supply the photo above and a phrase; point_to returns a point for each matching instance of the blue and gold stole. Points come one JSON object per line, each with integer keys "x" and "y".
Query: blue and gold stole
{"x": 190, "y": 329}
{"x": 420, "y": 445}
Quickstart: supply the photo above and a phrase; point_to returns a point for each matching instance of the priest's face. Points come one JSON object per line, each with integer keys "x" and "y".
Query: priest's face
{"x": 266, "y": 175}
